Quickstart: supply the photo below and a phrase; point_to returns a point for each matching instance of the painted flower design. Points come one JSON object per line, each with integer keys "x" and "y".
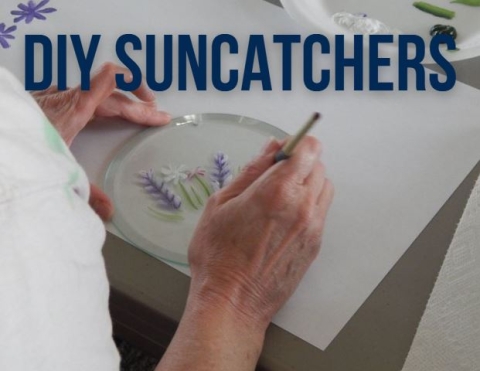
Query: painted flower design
{"x": 32, "y": 10}
{"x": 221, "y": 175}
{"x": 6, "y": 34}
{"x": 174, "y": 174}
{"x": 159, "y": 191}
{"x": 199, "y": 171}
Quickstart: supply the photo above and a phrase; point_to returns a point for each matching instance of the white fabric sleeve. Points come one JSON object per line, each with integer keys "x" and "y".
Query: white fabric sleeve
{"x": 53, "y": 284}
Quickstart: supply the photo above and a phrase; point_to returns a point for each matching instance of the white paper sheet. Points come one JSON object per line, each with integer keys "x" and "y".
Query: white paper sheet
{"x": 394, "y": 158}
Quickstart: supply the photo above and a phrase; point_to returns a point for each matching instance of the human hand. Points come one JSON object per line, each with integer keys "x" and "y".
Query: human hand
{"x": 253, "y": 244}
{"x": 258, "y": 236}
{"x": 71, "y": 110}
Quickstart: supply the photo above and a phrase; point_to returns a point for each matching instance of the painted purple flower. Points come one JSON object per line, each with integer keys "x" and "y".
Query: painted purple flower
{"x": 6, "y": 34}
{"x": 31, "y": 10}
{"x": 221, "y": 174}
{"x": 159, "y": 191}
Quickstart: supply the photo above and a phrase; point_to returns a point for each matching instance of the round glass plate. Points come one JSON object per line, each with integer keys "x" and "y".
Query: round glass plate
{"x": 400, "y": 15}
{"x": 161, "y": 179}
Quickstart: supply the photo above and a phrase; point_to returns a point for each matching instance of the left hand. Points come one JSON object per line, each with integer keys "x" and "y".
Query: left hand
{"x": 71, "y": 110}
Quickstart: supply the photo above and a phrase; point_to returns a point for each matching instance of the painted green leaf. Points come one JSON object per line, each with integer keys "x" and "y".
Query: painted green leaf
{"x": 187, "y": 196}
{"x": 204, "y": 185}
{"x": 199, "y": 199}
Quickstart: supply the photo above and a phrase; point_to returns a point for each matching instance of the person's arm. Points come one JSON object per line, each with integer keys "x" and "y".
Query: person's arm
{"x": 213, "y": 336}
{"x": 254, "y": 243}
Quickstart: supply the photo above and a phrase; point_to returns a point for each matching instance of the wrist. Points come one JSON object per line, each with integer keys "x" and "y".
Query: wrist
{"x": 232, "y": 301}
{"x": 211, "y": 337}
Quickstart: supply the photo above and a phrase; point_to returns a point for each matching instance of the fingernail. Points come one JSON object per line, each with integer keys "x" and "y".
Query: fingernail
{"x": 164, "y": 116}
{"x": 128, "y": 77}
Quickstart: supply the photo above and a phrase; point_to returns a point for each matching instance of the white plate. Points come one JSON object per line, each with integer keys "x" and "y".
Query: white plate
{"x": 401, "y": 15}
{"x": 193, "y": 141}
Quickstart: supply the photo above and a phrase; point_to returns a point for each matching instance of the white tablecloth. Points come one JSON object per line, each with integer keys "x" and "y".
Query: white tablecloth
{"x": 448, "y": 338}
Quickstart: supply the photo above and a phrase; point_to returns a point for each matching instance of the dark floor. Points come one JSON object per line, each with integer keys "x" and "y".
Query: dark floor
{"x": 134, "y": 359}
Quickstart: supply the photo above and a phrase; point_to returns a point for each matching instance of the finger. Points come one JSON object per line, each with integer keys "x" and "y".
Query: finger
{"x": 302, "y": 162}
{"x": 102, "y": 85}
{"x": 323, "y": 203}
{"x": 325, "y": 198}
{"x": 315, "y": 182}
{"x": 100, "y": 203}
{"x": 119, "y": 105}
{"x": 322, "y": 206}
{"x": 144, "y": 93}
{"x": 253, "y": 170}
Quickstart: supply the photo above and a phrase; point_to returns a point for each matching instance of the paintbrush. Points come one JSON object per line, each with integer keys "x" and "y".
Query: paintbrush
{"x": 287, "y": 150}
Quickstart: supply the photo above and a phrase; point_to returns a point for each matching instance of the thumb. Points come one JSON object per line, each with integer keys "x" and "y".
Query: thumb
{"x": 100, "y": 203}
{"x": 252, "y": 171}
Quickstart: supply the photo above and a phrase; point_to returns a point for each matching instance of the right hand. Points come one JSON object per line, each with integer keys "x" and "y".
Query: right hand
{"x": 258, "y": 236}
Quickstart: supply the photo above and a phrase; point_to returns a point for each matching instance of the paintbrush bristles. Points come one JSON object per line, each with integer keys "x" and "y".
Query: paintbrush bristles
{"x": 292, "y": 143}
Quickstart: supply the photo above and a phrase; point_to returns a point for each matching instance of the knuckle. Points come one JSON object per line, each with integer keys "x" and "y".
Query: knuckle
{"x": 330, "y": 188}
{"x": 144, "y": 111}
{"x": 251, "y": 169}
{"x": 318, "y": 173}
{"x": 305, "y": 216}
{"x": 271, "y": 201}
{"x": 313, "y": 144}
{"x": 108, "y": 68}
{"x": 213, "y": 200}
{"x": 281, "y": 192}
